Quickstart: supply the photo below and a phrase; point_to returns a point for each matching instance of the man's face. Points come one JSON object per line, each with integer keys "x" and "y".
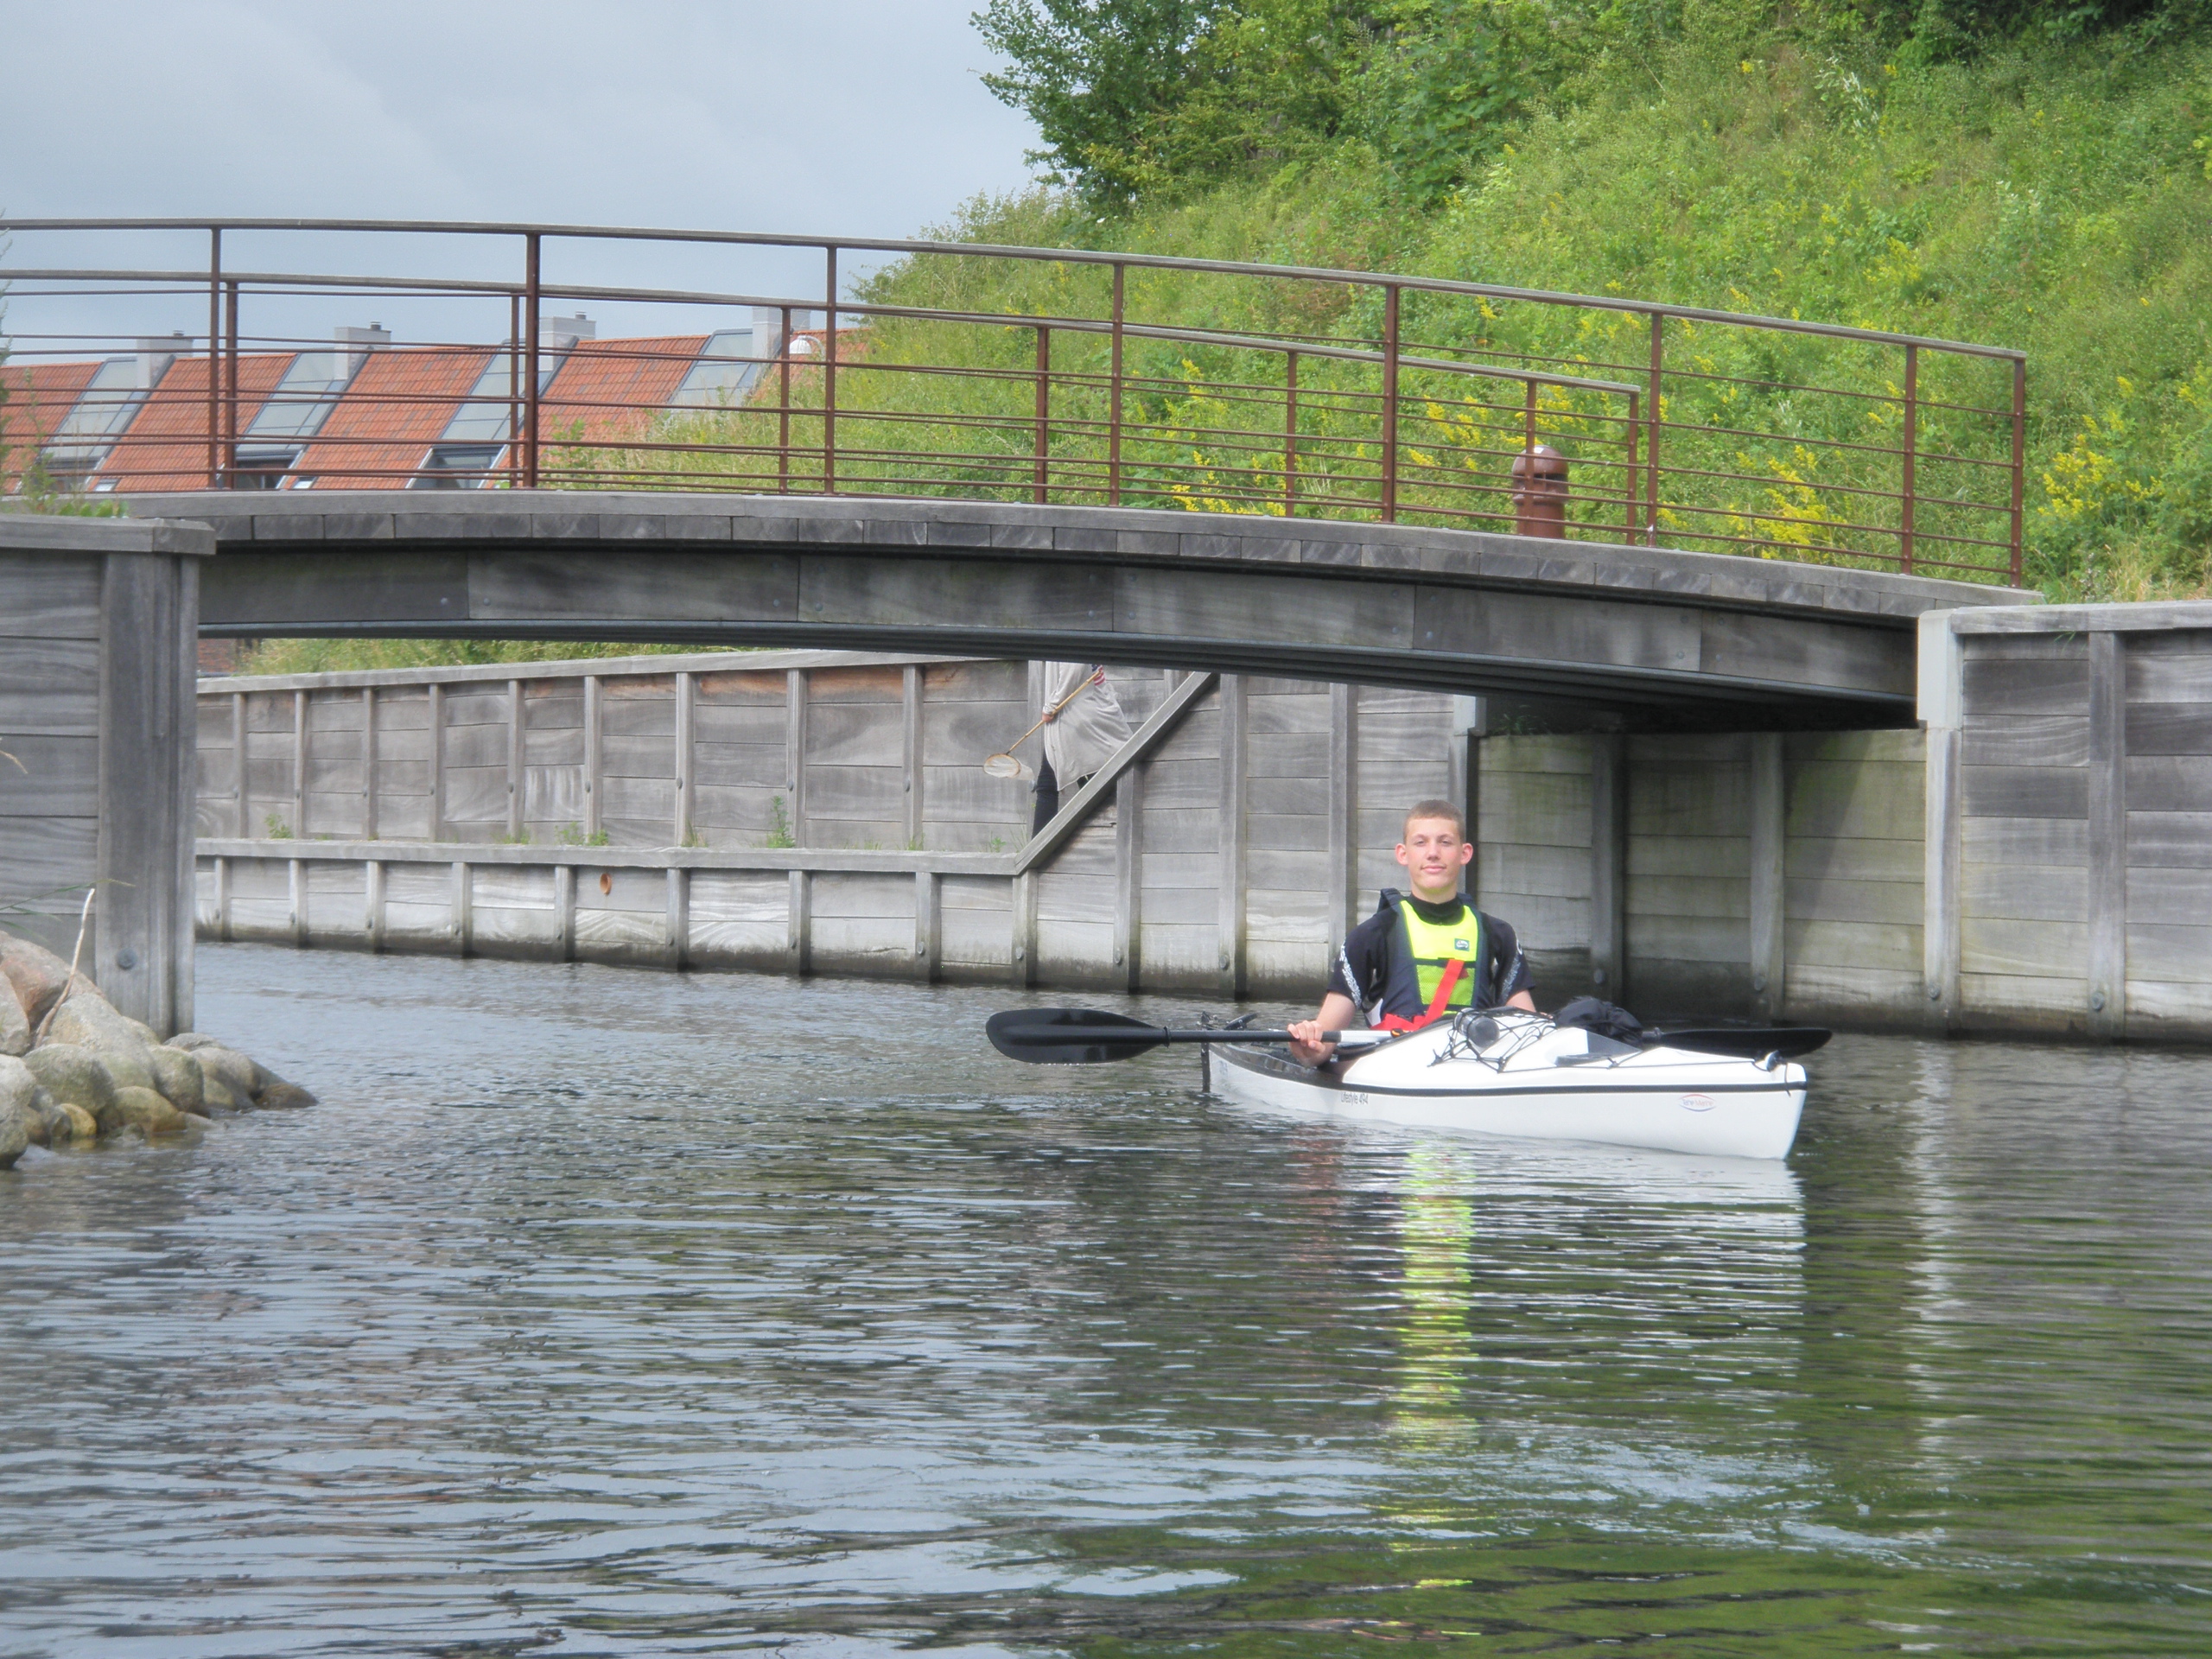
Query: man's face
{"x": 1433, "y": 853}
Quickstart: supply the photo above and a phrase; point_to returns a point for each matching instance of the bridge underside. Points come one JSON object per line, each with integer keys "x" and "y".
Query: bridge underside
{"x": 1640, "y": 638}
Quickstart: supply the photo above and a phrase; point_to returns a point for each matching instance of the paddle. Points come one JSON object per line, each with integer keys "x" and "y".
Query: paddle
{"x": 1088, "y": 1036}
{"x": 1092, "y": 1036}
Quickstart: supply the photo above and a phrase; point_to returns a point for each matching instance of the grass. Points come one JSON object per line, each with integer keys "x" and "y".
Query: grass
{"x": 2054, "y": 199}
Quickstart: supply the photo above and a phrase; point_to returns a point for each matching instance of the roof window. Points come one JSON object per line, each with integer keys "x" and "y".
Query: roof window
{"x": 725, "y": 372}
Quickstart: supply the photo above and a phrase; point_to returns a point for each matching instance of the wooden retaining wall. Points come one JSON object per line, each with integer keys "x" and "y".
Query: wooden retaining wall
{"x": 97, "y": 621}
{"x": 809, "y": 812}
{"x": 2069, "y": 819}
{"x": 2037, "y": 857}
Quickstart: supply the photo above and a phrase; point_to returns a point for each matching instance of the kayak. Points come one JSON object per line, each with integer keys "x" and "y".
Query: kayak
{"x": 1519, "y": 1075}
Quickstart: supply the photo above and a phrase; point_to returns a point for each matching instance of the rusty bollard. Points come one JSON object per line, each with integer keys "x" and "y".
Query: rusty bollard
{"x": 1540, "y": 493}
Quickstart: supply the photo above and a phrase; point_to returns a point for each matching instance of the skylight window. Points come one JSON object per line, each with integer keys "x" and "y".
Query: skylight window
{"x": 725, "y": 372}
{"x": 456, "y": 467}
{"x": 98, "y": 418}
{"x": 486, "y": 417}
{"x": 305, "y": 397}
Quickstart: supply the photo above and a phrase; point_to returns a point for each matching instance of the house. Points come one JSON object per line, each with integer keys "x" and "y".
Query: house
{"x": 362, "y": 412}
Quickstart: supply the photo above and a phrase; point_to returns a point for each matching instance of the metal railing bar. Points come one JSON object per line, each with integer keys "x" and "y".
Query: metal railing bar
{"x": 1059, "y": 255}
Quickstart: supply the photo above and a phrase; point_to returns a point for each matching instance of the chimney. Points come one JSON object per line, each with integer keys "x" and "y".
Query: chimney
{"x": 356, "y": 344}
{"x": 562, "y": 332}
{"x": 155, "y": 355}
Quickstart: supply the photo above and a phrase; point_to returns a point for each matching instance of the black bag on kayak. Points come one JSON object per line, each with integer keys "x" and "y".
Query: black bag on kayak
{"x": 1606, "y": 1019}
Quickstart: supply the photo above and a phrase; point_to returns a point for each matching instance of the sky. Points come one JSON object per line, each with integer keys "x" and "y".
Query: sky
{"x": 824, "y": 117}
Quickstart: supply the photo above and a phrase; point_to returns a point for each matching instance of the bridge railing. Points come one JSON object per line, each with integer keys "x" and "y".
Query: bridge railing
{"x": 1046, "y": 375}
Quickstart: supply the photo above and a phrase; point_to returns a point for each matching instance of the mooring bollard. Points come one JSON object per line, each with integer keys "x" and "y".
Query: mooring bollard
{"x": 1540, "y": 493}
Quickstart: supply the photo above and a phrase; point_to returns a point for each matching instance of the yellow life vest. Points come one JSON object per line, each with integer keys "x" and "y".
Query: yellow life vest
{"x": 1423, "y": 951}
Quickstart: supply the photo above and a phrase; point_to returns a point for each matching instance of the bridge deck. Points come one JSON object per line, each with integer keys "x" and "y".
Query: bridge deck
{"x": 1653, "y": 637}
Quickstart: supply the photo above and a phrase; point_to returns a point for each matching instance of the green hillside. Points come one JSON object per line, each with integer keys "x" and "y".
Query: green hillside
{"x": 2052, "y": 196}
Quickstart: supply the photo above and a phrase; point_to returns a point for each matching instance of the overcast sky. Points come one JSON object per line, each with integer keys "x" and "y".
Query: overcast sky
{"x": 849, "y": 117}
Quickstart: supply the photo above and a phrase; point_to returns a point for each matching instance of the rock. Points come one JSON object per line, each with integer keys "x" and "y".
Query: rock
{"x": 19, "y": 1126}
{"x": 280, "y": 1094}
{"x": 215, "y": 1097}
{"x": 74, "y": 1076}
{"x": 188, "y": 1040}
{"x": 66, "y": 1121}
{"x": 178, "y": 1077}
{"x": 90, "y": 1021}
{"x": 35, "y": 973}
{"x": 19, "y": 1092}
{"x": 230, "y": 1068}
{"x": 144, "y": 1110}
{"x": 14, "y": 1025}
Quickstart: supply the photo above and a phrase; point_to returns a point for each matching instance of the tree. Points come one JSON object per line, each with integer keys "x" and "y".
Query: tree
{"x": 1102, "y": 79}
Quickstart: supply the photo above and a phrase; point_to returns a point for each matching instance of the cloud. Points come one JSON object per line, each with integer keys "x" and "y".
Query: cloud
{"x": 859, "y": 116}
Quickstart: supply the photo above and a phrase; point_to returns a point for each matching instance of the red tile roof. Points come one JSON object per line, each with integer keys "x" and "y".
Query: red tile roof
{"x": 165, "y": 445}
{"x": 37, "y": 397}
{"x": 384, "y": 424}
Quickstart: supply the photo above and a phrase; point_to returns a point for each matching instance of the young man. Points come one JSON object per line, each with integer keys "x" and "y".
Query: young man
{"x": 1423, "y": 957}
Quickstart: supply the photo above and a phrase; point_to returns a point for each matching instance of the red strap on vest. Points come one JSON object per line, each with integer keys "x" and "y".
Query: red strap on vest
{"x": 1435, "y": 1010}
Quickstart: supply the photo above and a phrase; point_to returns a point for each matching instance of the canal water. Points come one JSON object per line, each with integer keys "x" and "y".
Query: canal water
{"x": 608, "y": 1313}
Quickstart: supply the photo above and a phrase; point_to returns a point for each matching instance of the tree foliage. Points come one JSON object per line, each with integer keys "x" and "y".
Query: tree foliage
{"x": 1153, "y": 99}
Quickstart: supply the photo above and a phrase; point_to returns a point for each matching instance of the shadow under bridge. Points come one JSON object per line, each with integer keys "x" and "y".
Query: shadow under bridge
{"x": 1632, "y": 637}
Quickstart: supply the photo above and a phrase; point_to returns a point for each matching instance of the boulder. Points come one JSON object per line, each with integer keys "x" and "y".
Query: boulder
{"x": 66, "y": 1121}
{"x": 178, "y": 1077}
{"x": 215, "y": 1097}
{"x": 15, "y": 1024}
{"x": 90, "y": 1021}
{"x": 35, "y": 973}
{"x": 188, "y": 1040}
{"x": 280, "y": 1094}
{"x": 19, "y": 1127}
{"x": 229, "y": 1068}
{"x": 144, "y": 1110}
{"x": 74, "y": 1076}
{"x": 19, "y": 1092}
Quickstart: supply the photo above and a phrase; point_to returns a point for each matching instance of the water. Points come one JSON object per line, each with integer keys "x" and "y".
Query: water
{"x": 603, "y": 1313}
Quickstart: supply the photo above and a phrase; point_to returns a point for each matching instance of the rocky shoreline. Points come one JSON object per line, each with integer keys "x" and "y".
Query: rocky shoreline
{"x": 75, "y": 1069}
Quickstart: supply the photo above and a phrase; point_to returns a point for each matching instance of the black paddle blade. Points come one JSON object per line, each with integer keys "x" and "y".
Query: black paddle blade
{"x": 1743, "y": 1042}
{"x": 1070, "y": 1036}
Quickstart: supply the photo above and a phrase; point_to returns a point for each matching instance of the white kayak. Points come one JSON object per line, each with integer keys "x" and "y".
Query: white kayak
{"x": 1519, "y": 1075}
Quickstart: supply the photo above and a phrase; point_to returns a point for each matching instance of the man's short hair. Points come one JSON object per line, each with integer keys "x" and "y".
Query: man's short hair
{"x": 1436, "y": 809}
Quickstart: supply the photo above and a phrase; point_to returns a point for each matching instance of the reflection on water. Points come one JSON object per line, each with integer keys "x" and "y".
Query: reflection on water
{"x": 604, "y": 1313}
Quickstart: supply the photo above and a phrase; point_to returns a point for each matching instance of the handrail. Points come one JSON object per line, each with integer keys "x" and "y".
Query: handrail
{"x": 1872, "y": 466}
{"x": 998, "y": 250}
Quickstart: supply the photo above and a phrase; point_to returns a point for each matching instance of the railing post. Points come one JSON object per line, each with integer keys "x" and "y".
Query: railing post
{"x": 532, "y": 294}
{"x": 1911, "y": 448}
{"x": 1628, "y": 473}
{"x": 1390, "y": 403}
{"x": 229, "y": 382}
{"x": 783, "y": 407}
{"x": 1290, "y": 435}
{"x": 2019, "y": 454}
{"x": 514, "y": 390}
{"x": 1113, "y": 401}
{"x": 830, "y": 377}
{"x": 1652, "y": 414}
{"x": 214, "y": 357}
{"x": 1042, "y": 445}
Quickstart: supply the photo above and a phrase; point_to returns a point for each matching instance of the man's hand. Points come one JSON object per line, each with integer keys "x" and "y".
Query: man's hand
{"x": 1306, "y": 1045}
{"x": 1338, "y": 1012}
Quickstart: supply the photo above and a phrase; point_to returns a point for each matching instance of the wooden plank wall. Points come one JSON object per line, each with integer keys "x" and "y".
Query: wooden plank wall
{"x": 1853, "y": 864}
{"x": 1686, "y": 901}
{"x": 1788, "y": 876}
{"x": 1849, "y": 870}
{"x": 50, "y": 724}
{"x": 2166, "y": 810}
